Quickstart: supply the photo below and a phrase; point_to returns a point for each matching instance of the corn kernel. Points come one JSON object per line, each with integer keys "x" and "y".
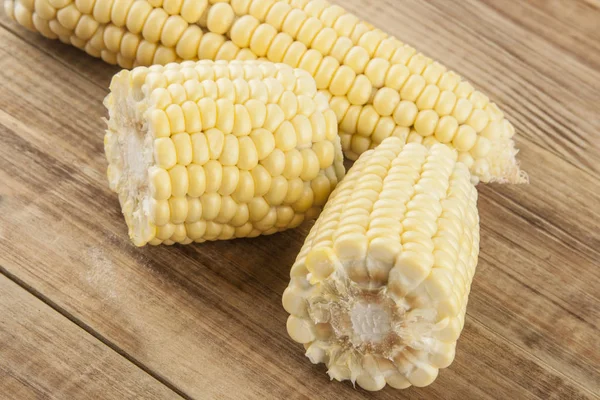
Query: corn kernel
{"x": 396, "y": 77}
{"x": 136, "y": 17}
{"x": 293, "y": 164}
{"x": 426, "y": 122}
{"x": 248, "y": 157}
{"x": 405, "y": 113}
{"x": 183, "y": 148}
{"x": 164, "y": 153}
{"x": 465, "y": 138}
{"x": 462, "y": 110}
{"x": 210, "y": 43}
{"x": 376, "y": 70}
{"x": 160, "y": 183}
{"x": 481, "y": 148}
{"x": 257, "y": 112}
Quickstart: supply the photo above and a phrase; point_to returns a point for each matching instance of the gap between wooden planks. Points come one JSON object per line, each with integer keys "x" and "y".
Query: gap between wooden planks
{"x": 201, "y": 317}
{"x": 43, "y": 354}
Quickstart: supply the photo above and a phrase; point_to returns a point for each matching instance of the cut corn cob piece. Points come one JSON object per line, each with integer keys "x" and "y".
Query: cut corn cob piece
{"x": 214, "y": 150}
{"x": 378, "y": 86}
{"x": 379, "y": 290}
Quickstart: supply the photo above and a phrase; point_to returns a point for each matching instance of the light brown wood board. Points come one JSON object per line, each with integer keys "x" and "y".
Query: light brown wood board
{"x": 205, "y": 321}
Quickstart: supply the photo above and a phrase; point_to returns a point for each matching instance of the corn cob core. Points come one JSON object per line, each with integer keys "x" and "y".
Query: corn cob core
{"x": 214, "y": 150}
{"x": 379, "y": 290}
{"x": 377, "y": 86}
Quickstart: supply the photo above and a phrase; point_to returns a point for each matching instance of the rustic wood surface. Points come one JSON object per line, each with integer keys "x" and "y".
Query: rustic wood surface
{"x": 43, "y": 353}
{"x": 84, "y": 314}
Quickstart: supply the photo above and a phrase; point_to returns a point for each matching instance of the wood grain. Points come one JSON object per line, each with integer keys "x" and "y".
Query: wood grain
{"x": 45, "y": 355}
{"x": 206, "y": 320}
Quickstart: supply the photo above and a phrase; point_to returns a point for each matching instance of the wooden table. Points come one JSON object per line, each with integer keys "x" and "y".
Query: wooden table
{"x": 85, "y": 315}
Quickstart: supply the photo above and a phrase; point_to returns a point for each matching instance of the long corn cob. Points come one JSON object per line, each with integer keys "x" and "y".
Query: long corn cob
{"x": 377, "y": 86}
{"x": 379, "y": 290}
{"x": 205, "y": 151}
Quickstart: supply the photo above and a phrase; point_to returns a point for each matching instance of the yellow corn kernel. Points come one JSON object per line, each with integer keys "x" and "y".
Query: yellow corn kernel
{"x": 462, "y": 110}
{"x": 172, "y": 31}
{"x": 406, "y": 113}
{"x": 445, "y": 103}
{"x": 154, "y": 25}
{"x": 138, "y": 13}
{"x": 385, "y": 101}
{"x": 68, "y": 16}
{"x": 179, "y": 181}
{"x": 164, "y": 153}
{"x": 303, "y": 130}
{"x": 428, "y": 97}
{"x": 385, "y": 128}
{"x": 102, "y": 11}
{"x": 187, "y": 46}
{"x": 45, "y": 10}
{"x": 262, "y": 180}
{"x": 465, "y": 138}
{"x": 481, "y": 148}
{"x": 342, "y": 81}
{"x": 192, "y": 10}
{"x": 426, "y": 122}
{"x": 86, "y": 27}
{"x": 376, "y": 70}
{"x": 367, "y": 121}
{"x": 43, "y": 26}
{"x": 220, "y": 18}
{"x": 478, "y": 120}
{"x": 183, "y": 147}
{"x": 197, "y": 180}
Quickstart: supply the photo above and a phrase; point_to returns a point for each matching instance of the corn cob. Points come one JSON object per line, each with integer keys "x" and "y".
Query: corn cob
{"x": 377, "y": 86}
{"x": 379, "y": 290}
{"x": 204, "y": 151}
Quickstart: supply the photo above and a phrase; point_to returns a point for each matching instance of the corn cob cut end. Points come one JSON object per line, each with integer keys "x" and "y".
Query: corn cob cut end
{"x": 215, "y": 150}
{"x": 378, "y": 292}
{"x": 502, "y": 161}
{"x": 129, "y": 150}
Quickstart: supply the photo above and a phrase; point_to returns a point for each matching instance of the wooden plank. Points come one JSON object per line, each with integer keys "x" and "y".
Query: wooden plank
{"x": 560, "y": 200}
{"x": 79, "y": 62}
{"x": 208, "y": 317}
{"x": 44, "y": 355}
{"x": 550, "y": 19}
